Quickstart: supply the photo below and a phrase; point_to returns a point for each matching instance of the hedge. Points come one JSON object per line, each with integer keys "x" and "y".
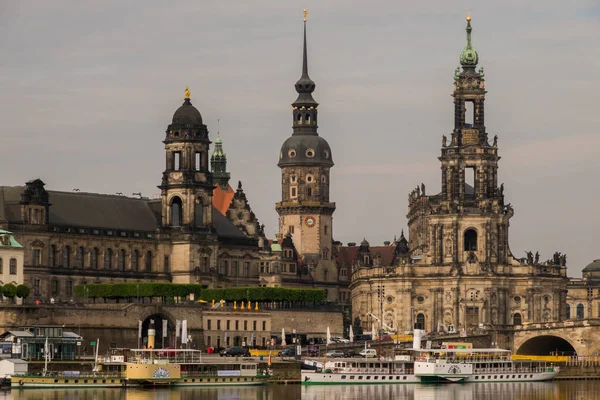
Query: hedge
{"x": 170, "y": 290}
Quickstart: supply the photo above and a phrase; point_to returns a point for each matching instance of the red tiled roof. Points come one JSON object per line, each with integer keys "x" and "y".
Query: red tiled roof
{"x": 222, "y": 199}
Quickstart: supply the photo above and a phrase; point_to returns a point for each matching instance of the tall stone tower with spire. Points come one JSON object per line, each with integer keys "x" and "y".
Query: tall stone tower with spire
{"x": 461, "y": 273}
{"x": 305, "y": 159}
{"x": 218, "y": 164}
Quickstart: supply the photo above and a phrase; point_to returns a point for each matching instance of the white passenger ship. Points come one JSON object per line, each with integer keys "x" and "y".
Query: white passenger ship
{"x": 431, "y": 365}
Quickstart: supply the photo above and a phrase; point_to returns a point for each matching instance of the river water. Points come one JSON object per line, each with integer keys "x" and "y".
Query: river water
{"x": 559, "y": 390}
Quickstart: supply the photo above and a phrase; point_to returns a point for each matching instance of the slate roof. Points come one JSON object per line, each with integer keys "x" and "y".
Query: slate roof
{"x": 348, "y": 254}
{"x": 102, "y": 211}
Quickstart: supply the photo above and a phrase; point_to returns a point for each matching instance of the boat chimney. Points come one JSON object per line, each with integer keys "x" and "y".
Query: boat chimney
{"x": 417, "y": 334}
{"x": 151, "y": 334}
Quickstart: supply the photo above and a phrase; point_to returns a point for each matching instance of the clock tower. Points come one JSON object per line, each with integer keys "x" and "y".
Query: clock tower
{"x": 305, "y": 211}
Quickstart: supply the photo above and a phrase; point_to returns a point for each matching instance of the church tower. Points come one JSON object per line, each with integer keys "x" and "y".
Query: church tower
{"x": 305, "y": 211}
{"x": 466, "y": 224}
{"x": 187, "y": 183}
{"x": 218, "y": 164}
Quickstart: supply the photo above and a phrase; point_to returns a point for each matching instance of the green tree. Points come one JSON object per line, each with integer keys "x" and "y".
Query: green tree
{"x": 9, "y": 290}
{"x": 22, "y": 291}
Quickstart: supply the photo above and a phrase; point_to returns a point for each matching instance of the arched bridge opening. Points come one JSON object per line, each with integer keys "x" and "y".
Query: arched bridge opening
{"x": 547, "y": 345}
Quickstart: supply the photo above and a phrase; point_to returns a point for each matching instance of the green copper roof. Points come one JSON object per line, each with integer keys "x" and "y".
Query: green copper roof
{"x": 469, "y": 56}
{"x": 218, "y": 151}
{"x": 275, "y": 246}
{"x": 7, "y": 239}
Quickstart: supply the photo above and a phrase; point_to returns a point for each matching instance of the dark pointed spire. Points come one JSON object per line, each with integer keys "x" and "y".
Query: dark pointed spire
{"x": 305, "y": 86}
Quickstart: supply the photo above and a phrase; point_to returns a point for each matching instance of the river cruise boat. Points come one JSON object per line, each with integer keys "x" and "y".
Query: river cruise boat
{"x": 432, "y": 366}
{"x": 142, "y": 367}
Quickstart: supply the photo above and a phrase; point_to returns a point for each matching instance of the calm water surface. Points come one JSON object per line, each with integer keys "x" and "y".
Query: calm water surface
{"x": 570, "y": 390}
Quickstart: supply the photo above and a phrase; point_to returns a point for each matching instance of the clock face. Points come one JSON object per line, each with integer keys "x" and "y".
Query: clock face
{"x": 309, "y": 221}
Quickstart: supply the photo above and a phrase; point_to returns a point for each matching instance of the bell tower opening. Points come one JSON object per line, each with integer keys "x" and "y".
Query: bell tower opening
{"x": 469, "y": 181}
{"x": 469, "y": 114}
{"x": 470, "y": 239}
{"x": 199, "y": 212}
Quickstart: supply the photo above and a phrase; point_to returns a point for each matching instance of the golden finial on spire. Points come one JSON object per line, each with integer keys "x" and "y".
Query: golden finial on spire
{"x": 187, "y": 92}
{"x": 468, "y": 15}
{"x": 305, "y": 14}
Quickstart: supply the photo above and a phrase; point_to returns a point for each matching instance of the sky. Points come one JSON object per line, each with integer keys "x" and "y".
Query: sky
{"x": 88, "y": 88}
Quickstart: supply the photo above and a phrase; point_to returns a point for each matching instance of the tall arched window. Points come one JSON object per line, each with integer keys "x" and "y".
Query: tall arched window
{"x": 176, "y": 212}
{"x": 568, "y": 311}
{"x": 79, "y": 257}
{"x": 66, "y": 256}
{"x": 470, "y": 240}
{"x": 199, "y": 212}
{"x": 148, "y": 261}
{"x": 135, "y": 260}
{"x": 580, "y": 311}
{"x": 121, "y": 260}
{"x": 517, "y": 319}
{"x": 108, "y": 259}
{"x": 420, "y": 321}
{"x": 94, "y": 258}
{"x": 52, "y": 256}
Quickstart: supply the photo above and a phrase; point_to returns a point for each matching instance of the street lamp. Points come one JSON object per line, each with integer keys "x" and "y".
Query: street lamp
{"x": 381, "y": 295}
{"x": 78, "y": 330}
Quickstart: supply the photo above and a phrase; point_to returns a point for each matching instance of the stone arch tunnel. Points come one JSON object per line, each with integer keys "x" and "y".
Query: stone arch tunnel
{"x": 546, "y": 345}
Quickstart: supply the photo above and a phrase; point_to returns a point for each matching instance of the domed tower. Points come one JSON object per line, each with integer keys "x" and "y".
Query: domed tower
{"x": 187, "y": 183}
{"x": 305, "y": 211}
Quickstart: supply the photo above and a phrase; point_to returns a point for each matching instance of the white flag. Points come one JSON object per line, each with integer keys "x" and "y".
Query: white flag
{"x": 184, "y": 333}
{"x": 177, "y": 328}
{"x": 139, "y": 329}
{"x": 164, "y": 327}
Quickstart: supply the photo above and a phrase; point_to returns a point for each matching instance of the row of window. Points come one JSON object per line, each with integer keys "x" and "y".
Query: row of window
{"x": 274, "y": 268}
{"x": 175, "y": 161}
{"x": 309, "y": 178}
{"x": 237, "y": 323}
{"x": 210, "y": 342}
{"x": 120, "y": 260}
{"x": 106, "y": 232}
{"x": 579, "y": 310}
{"x": 12, "y": 266}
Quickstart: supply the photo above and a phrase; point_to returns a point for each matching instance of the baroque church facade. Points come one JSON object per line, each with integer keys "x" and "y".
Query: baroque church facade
{"x": 457, "y": 272}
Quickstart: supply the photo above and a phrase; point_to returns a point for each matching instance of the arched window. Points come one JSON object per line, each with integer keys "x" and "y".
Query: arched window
{"x": 420, "y": 321}
{"x": 568, "y": 311}
{"x": 470, "y": 240}
{"x": 176, "y": 212}
{"x": 66, "y": 257}
{"x": 135, "y": 260}
{"x": 580, "y": 311}
{"x": 52, "y": 256}
{"x": 79, "y": 257}
{"x": 199, "y": 212}
{"x": 517, "y": 319}
{"x": 94, "y": 258}
{"x": 308, "y": 118}
{"x": 121, "y": 260}
{"x": 299, "y": 118}
{"x": 148, "y": 261}
{"x": 325, "y": 254}
{"x": 108, "y": 259}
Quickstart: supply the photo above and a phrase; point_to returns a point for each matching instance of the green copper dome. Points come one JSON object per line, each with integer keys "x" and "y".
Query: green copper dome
{"x": 469, "y": 56}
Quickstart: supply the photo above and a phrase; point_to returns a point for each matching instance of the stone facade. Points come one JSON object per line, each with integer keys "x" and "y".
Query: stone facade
{"x": 460, "y": 273}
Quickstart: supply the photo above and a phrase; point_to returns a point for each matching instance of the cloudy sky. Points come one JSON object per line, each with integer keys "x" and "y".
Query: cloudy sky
{"x": 87, "y": 89}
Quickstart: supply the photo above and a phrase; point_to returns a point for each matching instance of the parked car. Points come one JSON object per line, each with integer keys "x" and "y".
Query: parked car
{"x": 340, "y": 340}
{"x": 235, "y": 351}
{"x": 351, "y": 353}
{"x": 313, "y": 351}
{"x": 334, "y": 353}
{"x": 368, "y": 353}
{"x": 287, "y": 352}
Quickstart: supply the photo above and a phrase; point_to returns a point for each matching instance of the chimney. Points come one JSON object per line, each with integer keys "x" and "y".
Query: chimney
{"x": 351, "y": 244}
{"x": 386, "y": 243}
